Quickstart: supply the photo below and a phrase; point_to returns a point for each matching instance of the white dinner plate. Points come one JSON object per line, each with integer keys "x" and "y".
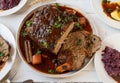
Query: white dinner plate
{"x": 113, "y": 42}
{"x": 14, "y": 9}
{"x": 97, "y": 6}
{"x": 8, "y": 36}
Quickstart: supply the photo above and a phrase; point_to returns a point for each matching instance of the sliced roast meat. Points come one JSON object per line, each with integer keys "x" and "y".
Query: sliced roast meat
{"x": 48, "y": 25}
{"x": 77, "y": 46}
{"x": 42, "y": 30}
{"x": 4, "y": 50}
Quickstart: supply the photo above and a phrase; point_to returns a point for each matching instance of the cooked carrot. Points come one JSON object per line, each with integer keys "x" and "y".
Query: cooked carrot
{"x": 64, "y": 67}
{"x": 82, "y": 21}
{"x": 36, "y": 59}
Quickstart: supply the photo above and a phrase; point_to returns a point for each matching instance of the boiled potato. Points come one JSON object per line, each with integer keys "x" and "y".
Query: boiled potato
{"x": 116, "y": 15}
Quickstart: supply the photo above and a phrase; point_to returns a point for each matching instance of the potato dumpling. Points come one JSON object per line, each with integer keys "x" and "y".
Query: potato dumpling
{"x": 115, "y": 15}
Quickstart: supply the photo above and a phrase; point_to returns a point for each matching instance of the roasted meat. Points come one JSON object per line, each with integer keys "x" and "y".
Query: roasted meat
{"x": 4, "y": 50}
{"x": 43, "y": 30}
{"x": 77, "y": 46}
{"x": 48, "y": 25}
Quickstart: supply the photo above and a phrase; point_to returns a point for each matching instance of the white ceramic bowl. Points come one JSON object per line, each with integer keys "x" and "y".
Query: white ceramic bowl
{"x": 56, "y": 75}
{"x": 14, "y": 9}
{"x": 8, "y": 36}
{"x": 97, "y": 6}
{"x": 113, "y": 42}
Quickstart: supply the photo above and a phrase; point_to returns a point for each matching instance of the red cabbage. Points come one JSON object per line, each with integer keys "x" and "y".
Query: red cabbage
{"x": 111, "y": 60}
{"x": 8, "y": 4}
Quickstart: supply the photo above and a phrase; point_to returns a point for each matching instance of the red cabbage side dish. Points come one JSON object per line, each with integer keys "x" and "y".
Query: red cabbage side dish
{"x": 8, "y": 4}
{"x": 111, "y": 60}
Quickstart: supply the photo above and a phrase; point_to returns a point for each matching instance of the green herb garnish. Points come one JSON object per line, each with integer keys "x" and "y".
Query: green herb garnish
{"x": 65, "y": 20}
{"x": 1, "y": 54}
{"x": 59, "y": 18}
{"x": 45, "y": 44}
{"x": 54, "y": 60}
{"x": 38, "y": 51}
{"x": 57, "y": 4}
{"x": 79, "y": 42}
{"x": 28, "y": 23}
{"x": 24, "y": 33}
{"x": 51, "y": 71}
{"x": 50, "y": 31}
{"x": 78, "y": 25}
{"x": 57, "y": 25}
{"x": 106, "y": 1}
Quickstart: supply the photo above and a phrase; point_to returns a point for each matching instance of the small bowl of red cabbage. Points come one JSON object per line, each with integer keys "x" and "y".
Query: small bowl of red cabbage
{"x": 8, "y": 4}
{"x": 8, "y": 7}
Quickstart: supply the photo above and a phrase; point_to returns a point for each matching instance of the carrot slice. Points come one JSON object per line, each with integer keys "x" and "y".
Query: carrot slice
{"x": 36, "y": 59}
{"x": 64, "y": 67}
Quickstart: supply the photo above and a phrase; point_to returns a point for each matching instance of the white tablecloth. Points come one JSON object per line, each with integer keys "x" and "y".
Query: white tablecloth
{"x": 88, "y": 74}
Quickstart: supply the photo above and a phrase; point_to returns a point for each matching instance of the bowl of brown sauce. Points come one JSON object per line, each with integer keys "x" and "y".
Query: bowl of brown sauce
{"x": 57, "y": 40}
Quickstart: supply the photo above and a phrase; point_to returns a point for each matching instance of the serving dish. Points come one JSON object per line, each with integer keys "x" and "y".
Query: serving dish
{"x": 14, "y": 9}
{"x": 8, "y": 36}
{"x": 97, "y": 6}
{"x": 46, "y": 74}
{"x": 113, "y": 42}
